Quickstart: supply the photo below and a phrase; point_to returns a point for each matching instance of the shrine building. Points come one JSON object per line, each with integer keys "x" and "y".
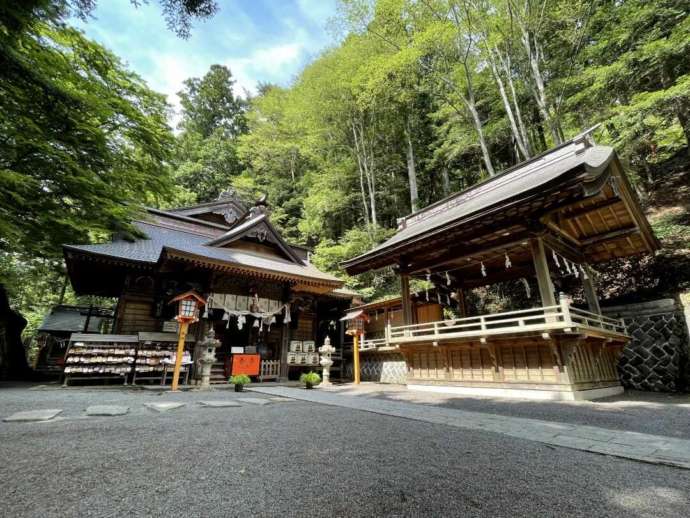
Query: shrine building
{"x": 545, "y": 223}
{"x": 266, "y": 302}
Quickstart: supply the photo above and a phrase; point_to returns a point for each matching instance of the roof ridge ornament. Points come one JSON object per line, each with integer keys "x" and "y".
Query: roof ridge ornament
{"x": 228, "y": 194}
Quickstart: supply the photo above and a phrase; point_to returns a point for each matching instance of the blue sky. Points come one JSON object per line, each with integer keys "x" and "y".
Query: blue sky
{"x": 260, "y": 40}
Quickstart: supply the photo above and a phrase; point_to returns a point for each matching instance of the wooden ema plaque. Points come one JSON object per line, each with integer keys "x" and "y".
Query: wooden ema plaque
{"x": 248, "y": 364}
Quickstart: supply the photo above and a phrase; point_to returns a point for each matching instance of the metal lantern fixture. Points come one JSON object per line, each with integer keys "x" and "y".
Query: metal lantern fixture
{"x": 355, "y": 327}
{"x": 188, "y": 306}
{"x": 187, "y": 313}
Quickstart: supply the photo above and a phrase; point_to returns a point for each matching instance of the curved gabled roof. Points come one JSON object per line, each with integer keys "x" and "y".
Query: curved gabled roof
{"x": 576, "y": 160}
{"x": 172, "y": 236}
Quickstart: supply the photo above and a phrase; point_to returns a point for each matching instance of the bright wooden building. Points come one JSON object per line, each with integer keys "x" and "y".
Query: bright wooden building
{"x": 551, "y": 218}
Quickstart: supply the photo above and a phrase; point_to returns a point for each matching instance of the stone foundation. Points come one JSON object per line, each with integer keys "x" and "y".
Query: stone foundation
{"x": 657, "y": 356}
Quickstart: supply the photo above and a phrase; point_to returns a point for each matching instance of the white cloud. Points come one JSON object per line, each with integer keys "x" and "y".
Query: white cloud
{"x": 256, "y": 46}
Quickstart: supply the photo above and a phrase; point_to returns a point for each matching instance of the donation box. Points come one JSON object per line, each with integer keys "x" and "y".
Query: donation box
{"x": 248, "y": 364}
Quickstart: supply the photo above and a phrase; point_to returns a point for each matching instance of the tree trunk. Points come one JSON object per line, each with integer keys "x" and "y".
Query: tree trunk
{"x": 683, "y": 114}
{"x": 506, "y": 105}
{"x": 365, "y": 161}
{"x": 365, "y": 205}
{"x": 506, "y": 65}
{"x": 469, "y": 98}
{"x": 370, "y": 174}
{"x": 411, "y": 169}
{"x": 445, "y": 178}
{"x": 63, "y": 289}
{"x": 478, "y": 126}
{"x": 538, "y": 88}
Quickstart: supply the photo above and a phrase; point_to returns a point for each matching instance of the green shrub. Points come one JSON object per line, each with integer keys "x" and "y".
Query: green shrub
{"x": 310, "y": 379}
{"x": 240, "y": 379}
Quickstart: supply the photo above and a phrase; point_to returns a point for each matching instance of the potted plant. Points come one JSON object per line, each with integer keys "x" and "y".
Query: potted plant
{"x": 310, "y": 379}
{"x": 240, "y": 380}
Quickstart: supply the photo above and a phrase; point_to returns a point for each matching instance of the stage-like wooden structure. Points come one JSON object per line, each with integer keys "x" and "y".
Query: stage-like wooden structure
{"x": 550, "y": 218}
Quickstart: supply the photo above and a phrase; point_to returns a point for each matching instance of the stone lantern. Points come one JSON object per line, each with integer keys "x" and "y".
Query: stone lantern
{"x": 208, "y": 357}
{"x": 326, "y": 362}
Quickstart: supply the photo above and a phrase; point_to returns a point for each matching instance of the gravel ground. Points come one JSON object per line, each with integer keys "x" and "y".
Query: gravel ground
{"x": 644, "y": 412}
{"x": 299, "y": 459}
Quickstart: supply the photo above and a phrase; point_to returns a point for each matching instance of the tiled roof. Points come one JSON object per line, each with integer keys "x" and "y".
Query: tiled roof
{"x": 69, "y": 319}
{"x": 168, "y": 236}
{"x": 527, "y": 177}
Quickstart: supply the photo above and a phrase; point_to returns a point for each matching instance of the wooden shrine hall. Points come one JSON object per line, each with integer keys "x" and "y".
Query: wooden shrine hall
{"x": 268, "y": 305}
{"x": 551, "y": 218}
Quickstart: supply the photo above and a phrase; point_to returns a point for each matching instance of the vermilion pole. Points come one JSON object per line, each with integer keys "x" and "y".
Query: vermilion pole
{"x": 184, "y": 325}
{"x": 355, "y": 357}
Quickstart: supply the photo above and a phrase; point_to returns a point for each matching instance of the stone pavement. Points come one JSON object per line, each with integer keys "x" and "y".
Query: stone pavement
{"x": 656, "y": 449}
{"x": 44, "y": 415}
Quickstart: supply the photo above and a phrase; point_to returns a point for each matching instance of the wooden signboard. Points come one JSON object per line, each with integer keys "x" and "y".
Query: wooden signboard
{"x": 170, "y": 326}
{"x": 248, "y": 364}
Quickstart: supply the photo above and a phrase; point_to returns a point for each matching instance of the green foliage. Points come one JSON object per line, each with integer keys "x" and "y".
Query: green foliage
{"x": 206, "y": 159}
{"x": 333, "y": 149}
{"x": 209, "y": 105}
{"x": 329, "y": 254}
{"x": 178, "y": 14}
{"x": 310, "y": 378}
{"x": 84, "y": 141}
{"x": 239, "y": 379}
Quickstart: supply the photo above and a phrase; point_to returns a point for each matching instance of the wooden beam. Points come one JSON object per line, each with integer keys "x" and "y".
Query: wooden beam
{"x": 601, "y": 204}
{"x": 458, "y": 254}
{"x": 505, "y": 275}
{"x": 541, "y": 268}
{"x": 607, "y": 236}
{"x": 559, "y": 231}
{"x": 565, "y": 249}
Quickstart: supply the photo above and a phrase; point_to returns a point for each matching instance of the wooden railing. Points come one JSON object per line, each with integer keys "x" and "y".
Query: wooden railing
{"x": 561, "y": 317}
{"x": 367, "y": 344}
{"x": 270, "y": 369}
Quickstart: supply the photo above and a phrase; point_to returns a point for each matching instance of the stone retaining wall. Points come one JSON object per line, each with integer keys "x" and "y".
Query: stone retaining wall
{"x": 388, "y": 367}
{"x": 656, "y": 359}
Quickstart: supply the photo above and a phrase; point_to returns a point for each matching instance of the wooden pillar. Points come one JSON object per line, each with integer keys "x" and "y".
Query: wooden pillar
{"x": 462, "y": 306}
{"x": 541, "y": 268}
{"x": 591, "y": 294}
{"x": 405, "y": 294}
{"x": 285, "y": 336}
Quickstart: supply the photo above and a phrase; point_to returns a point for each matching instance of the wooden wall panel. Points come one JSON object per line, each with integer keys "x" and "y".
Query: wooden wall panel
{"x": 137, "y": 315}
{"x": 305, "y": 327}
{"x": 429, "y": 313}
{"x": 527, "y": 362}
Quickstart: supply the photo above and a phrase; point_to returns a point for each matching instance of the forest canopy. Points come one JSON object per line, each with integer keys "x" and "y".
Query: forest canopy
{"x": 414, "y": 101}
